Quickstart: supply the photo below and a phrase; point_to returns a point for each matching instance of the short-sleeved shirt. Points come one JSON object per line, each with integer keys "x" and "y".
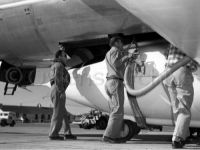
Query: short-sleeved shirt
{"x": 175, "y": 55}
{"x": 115, "y": 61}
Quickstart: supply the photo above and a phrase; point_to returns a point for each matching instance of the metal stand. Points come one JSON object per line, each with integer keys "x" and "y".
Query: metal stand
{"x": 13, "y": 88}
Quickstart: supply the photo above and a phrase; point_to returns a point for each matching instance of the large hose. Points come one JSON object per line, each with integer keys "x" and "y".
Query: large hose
{"x": 158, "y": 80}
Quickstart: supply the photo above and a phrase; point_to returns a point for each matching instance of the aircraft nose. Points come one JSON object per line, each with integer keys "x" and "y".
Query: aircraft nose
{"x": 87, "y": 88}
{"x": 73, "y": 94}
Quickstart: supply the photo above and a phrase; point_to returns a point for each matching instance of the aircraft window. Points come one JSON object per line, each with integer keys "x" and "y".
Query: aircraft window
{"x": 5, "y": 114}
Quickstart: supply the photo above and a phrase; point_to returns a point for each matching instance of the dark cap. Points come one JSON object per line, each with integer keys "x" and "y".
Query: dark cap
{"x": 113, "y": 40}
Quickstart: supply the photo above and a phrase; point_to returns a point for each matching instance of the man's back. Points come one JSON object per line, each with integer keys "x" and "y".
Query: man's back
{"x": 115, "y": 64}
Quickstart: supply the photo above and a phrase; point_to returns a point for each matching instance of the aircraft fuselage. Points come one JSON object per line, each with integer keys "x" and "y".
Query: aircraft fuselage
{"x": 88, "y": 87}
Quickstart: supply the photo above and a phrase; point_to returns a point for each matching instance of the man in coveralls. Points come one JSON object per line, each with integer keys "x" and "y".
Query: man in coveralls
{"x": 116, "y": 59}
{"x": 59, "y": 79}
{"x": 181, "y": 91}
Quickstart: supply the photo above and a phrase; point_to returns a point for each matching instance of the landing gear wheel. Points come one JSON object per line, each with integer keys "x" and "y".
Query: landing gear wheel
{"x": 3, "y": 123}
{"x": 130, "y": 129}
{"x": 193, "y": 131}
{"x": 86, "y": 125}
{"x": 12, "y": 123}
{"x": 101, "y": 124}
{"x": 198, "y": 134}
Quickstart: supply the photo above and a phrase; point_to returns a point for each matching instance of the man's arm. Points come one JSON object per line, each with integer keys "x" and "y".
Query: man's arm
{"x": 129, "y": 46}
{"x": 128, "y": 56}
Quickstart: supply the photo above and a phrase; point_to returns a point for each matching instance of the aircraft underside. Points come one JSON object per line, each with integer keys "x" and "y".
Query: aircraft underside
{"x": 30, "y": 32}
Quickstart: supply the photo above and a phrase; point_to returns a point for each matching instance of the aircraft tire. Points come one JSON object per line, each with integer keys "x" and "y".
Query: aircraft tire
{"x": 101, "y": 123}
{"x": 86, "y": 125}
{"x": 3, "y": 123}
{"x": 130, "y": 129}
{"x": 194, "y": 130}
{"x": 12, "y": 124}
{"x": 80, "y": 126}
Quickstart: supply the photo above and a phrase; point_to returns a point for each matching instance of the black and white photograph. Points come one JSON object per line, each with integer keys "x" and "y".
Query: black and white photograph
{"x": 99, "y": 74}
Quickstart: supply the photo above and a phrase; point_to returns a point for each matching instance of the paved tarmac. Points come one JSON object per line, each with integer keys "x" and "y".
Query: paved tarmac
{"x": 35, "y": 136}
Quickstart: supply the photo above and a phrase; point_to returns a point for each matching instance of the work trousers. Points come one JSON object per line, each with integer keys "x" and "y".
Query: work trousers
{"x": 180, "y": 87}
{"x": 60, "y": 113}
{"x": 115, "y": 90}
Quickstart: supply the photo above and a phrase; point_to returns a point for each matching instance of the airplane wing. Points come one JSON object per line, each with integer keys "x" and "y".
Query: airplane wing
{"x": 176, "y": 20}
{"x": 30, "y": 31}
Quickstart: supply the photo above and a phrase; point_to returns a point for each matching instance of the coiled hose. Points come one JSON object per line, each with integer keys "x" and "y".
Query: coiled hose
{"x": 158, "y": 80}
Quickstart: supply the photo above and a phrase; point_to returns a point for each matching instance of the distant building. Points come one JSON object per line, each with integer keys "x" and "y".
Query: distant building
{"x": 30, "y": 113}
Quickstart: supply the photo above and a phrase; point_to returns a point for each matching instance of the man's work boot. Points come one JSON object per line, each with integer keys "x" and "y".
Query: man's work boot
{"x": 56, "y": 138}
{"x": 177, "y": 144}
{"x": 113, "y": 140}
{"x": 70, "y": 137}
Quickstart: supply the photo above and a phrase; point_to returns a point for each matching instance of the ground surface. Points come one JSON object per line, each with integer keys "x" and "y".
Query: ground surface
{"x": 35, "y": 136}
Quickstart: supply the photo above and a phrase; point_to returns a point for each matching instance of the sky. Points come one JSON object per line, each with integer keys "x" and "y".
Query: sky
{"x": 34, "y": 95}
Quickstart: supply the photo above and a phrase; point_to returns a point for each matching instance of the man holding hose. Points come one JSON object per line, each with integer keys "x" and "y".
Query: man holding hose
{"x": 181, "y": 91}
